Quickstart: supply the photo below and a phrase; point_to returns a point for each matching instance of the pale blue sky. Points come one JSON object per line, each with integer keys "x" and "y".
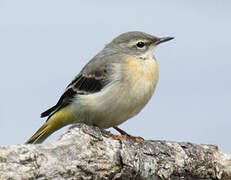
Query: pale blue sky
{"x": 45, "y": 43}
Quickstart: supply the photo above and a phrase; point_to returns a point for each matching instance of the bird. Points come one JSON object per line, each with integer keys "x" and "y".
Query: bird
{"x": 111, "y": 88}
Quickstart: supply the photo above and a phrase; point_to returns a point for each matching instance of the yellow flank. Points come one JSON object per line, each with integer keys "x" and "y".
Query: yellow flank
{"x": 56, "y": 121}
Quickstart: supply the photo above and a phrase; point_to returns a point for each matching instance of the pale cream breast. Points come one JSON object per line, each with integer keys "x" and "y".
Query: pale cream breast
{"x": 141, "y": 76}
{"x": 136, "y": 69}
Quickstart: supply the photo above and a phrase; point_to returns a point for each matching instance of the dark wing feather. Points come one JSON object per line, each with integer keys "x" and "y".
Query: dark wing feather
{"x": 94, "y": 76}
{"x": 82, "y": 84}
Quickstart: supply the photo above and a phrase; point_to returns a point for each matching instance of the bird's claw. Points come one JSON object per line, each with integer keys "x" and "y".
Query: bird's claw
{"x": 125, "y": 136}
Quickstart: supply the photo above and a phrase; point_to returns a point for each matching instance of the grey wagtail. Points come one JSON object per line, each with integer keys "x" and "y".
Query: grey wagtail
{"x": 112, "y": 87}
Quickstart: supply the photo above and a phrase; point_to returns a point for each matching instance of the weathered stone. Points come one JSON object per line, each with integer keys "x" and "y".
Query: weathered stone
{"x": 84, "y": 152}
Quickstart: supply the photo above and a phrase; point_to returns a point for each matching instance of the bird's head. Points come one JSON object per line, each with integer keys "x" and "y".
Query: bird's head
{"x": 137, "y": 43}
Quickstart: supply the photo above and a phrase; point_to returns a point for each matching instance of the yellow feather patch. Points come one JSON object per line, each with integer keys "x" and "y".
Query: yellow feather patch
{"x": 62, "y": 117}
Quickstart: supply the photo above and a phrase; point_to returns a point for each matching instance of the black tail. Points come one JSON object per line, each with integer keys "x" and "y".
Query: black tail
{"x": 49, "y": 111}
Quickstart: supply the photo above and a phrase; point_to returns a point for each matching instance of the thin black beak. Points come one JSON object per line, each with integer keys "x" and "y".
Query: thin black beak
{"x": 164, "y": 39}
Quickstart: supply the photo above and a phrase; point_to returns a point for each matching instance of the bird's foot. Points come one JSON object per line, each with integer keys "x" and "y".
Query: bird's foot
{"x": 116, "y": 136}
{"x": 137, "y": 139}
{"x": 119, "y": 137}
{"x": 123, "y": 135}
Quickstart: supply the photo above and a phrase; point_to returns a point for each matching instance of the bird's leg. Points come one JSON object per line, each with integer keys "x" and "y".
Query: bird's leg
{"x": 123, "y": 133}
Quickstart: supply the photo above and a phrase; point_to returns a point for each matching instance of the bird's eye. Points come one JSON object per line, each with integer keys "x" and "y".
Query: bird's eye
{"x": 140, "y": 44}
